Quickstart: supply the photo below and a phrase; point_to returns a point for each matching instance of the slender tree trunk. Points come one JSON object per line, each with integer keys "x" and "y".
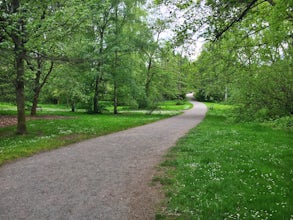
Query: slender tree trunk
{"x": 115, "y": 99}
{"x": 20, "y": 98}
{"x": 149, "y": 78}
{"x": 36, "y": 90}
{"x": 99, "y": 76}
{"x": 35, "y": 102}
{"x": 179, "y": 81}
{"x": 19, "y": 53}
{"x": 96, "y": 95}
{"x": 115, "y": 84}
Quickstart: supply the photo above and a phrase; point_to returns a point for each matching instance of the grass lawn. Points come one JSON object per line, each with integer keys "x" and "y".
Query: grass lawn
{"x": 228, "y": 170}
{"x": 47, "y": 134}
{"x": 173, "y": 105}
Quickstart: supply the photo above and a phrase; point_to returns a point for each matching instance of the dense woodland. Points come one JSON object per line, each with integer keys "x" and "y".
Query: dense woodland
{"x": 88, "y": 54}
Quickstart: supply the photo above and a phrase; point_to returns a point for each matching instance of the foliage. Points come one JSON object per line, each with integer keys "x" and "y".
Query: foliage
{"x": 228, "y": 170}
{"x": 251, "y": 62}
{"x": 284, "y": 123}
{"x": 7, "y": 91}
{"x": 80, "y": 53}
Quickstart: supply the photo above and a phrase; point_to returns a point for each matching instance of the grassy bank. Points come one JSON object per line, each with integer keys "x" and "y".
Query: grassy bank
{"x": 64, "y": 127}
{"x": 227, "y": 170}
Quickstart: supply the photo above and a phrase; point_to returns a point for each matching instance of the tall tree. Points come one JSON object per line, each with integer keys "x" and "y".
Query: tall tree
{"x": 108, "y": 41}
{"x": 25, "y": 27}
{"x": 13, "y": 29}
{"x": 100, "y": 23}
{"x": 126, "y": 19}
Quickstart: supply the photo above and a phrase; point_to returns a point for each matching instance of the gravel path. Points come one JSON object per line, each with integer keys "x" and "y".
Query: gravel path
{"x": 103, "y": 178}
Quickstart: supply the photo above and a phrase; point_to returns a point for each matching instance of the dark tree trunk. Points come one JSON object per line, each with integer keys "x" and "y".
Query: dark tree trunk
{"x": 99, "y": 76}
{"x": 149, "y": 78}
{"x": 36, "y": 90}
{"x": 20, "y": 98}
{"x": 19, "y": 53}
{"x": 35, "y": 103}
{"x": 115, "y": 99}
{"x": 96, "y": 96}
{"x": 73, "y": 107}
{"x": 239, "y": 18}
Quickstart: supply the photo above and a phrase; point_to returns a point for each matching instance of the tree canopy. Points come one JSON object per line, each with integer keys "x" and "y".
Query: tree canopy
{"x": 83, "y": 53}
{"x": 247, "y": 58}
{"x": 89, "y": 53}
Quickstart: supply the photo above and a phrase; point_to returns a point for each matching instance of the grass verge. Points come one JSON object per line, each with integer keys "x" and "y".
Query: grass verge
{"x": 47, "y": 134}
{"x": 227, "y": 170}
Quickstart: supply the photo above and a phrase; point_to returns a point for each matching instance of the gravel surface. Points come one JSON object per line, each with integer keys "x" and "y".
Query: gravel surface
{"x": 102, "y": 178}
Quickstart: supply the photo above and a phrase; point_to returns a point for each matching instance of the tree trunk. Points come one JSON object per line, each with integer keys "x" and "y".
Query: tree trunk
{"x": 35, "y": 103}
{"x": 99, "y": 76}
{"x": 148, "y": 78}
{"x": 37, "y": 91}
{"x": 96, "y": 96}
{"x": 19, "y": 53}
{"x": 73, "y": 107}
{"x": 19, "y": 84}
{"x": 115, "y": 99}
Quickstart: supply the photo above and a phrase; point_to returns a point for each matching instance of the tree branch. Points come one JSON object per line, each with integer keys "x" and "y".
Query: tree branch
{"x": 30, "y": 65}
{"x": 238, "y": 19}
{"x": 47, "y": 75}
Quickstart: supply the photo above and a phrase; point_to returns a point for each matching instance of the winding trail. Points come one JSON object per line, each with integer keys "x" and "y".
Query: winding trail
{"x": 105, "y": 178}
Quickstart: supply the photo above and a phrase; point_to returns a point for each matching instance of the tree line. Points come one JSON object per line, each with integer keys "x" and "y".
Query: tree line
{"x": 85, "y": 52}
{"x": 247, "y": 59}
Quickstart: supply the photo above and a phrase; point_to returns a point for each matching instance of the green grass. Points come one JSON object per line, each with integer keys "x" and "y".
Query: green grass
{"x": 227, "y": 170}
{"x": 47, "y": 134}
{"x": 174, "y": 105}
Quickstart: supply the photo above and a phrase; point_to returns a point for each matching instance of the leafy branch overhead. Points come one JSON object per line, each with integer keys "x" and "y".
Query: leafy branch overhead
{"x": 212, "y": 19}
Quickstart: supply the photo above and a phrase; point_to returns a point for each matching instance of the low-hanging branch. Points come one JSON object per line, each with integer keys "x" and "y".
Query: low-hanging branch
{"x": 248, "y": 7}
{"x": 237, "y": 19}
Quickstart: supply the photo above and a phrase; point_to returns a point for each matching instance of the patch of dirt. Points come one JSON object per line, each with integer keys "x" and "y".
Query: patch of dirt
{"x": 147, "y": 197}
{"x": 7, "y": 120}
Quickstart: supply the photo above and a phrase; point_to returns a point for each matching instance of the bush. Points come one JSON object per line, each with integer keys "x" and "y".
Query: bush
{"x": 202, "y": 96}
{"x": 262, "y": 114}
{"x": 285, "y": 123}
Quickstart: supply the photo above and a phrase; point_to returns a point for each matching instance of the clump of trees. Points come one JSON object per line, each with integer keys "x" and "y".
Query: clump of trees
{"x": 247, "y": 59}
{"x": 84, "y": 53}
